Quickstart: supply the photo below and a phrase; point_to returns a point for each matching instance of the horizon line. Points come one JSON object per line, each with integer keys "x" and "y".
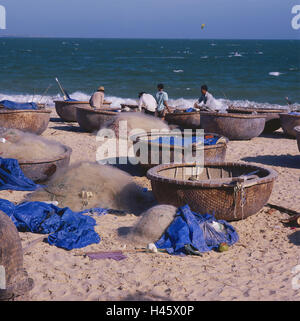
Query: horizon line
{"x": 136, "y": 38}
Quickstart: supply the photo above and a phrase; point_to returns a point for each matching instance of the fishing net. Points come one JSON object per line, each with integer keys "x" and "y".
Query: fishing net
{"x": 88, "y": 185}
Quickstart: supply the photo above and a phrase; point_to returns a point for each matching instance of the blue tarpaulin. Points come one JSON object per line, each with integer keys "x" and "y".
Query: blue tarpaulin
{"x": 295, "y": 113}
{"x": 12, "y": 177}
{"x": 67, "y": 229}
{"x": 8, "y": 104}
{"x": 190, "y": 110}
{"x": 190, "y": 228}
{"x": 185, "y": 141}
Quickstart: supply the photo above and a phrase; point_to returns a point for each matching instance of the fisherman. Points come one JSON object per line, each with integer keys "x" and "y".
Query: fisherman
{"x": 97, "y": 98}
{"x": 206, "y": 100}
{"x": 148, "y": 103}
{"x": 162, "y": 102}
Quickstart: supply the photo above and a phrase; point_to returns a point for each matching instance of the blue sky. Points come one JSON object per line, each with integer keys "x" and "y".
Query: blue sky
{"x": 243, "y": 19}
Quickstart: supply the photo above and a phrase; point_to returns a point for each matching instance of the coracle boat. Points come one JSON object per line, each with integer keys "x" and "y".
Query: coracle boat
{"x": 13, "y": 275}
{"x": 66, "y": 110}
{"x": 297, "y": 130}
{"x": 173, "y": 146}
{"x": 188, "y": 120}
{"x": 41, "y": 170}
{"x": 91, "y": 120}
{"x": 230, "y": 191}
{"x": 32, "y": 121}
{"x": 271, "y": 115}
{"x": 289, "y": 122}
{"x": 233, "y": 126}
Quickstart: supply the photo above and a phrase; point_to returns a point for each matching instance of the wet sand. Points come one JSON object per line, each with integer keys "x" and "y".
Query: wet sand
{"x": 258, "y": 267}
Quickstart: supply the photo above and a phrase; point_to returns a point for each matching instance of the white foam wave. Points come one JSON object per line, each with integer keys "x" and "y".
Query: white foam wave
{"x": 117, "y": 101}
{"x": 179, "y": 70}
{"x": 275, "y": 73}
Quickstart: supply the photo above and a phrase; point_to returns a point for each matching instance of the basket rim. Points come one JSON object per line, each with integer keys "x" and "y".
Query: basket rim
{"x": 77, "y": 102}
{"x": 153, "y": 174}
{"x": 182, "y": 114}
{"x": 229, "y": 115}
{"x": 287, "y": 115}
{"x": 103, "y": 111}
{"x": 261, "y": 110}
{"x": 67, "y": 152}
{"x": 10, "y": 111}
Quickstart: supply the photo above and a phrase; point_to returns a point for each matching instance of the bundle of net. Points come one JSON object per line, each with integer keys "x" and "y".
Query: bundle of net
{"x": 151, "y": 225}
{"x": 88, "y": 185}
{"x": 28, "y": 147}
{"x": 132, "y": 123}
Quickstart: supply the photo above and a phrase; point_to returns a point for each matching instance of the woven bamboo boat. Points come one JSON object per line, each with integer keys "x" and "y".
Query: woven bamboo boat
{"x": 271, "y": 115}
{"x": 289, "y": 122}
{"x": 66, "y": 110}
{"x": 184, "y": 119}
{"x": 91, "y": 120}
{"x": 32, "y": 121}
{"x": 233, "y": 126}
{"x": 41, "y": 170}
{"x": 156, "y": 150}
{"x": 15, "y": 277}
{"x": 218, "y": 189}
{"x": 297, "y": 130}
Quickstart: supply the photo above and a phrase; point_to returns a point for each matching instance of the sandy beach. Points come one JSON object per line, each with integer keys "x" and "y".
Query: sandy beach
{"x": 258, "y": 267}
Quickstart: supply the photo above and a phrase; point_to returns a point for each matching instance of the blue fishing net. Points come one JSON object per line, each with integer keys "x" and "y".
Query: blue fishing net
{"x": 8, "y": 104}
{"x": 198, "y": 231}
{"x": 67, "y": 229}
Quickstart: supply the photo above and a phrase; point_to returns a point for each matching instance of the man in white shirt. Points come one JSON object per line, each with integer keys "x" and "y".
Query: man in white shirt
{"x": 97, "y": 99}
{"x": 148, "y": 103}
{"x": 206, "y": 100}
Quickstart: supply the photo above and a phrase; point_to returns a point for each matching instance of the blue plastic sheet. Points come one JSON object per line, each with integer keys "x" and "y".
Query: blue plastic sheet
{"x": 185, "y": 141}
{"x": 12, "y": 177}
{"x": 295, "y": 113}
{"x": 8, "y": 104}
{"x": 67, "y": 229}
{"x": 190, "y": 228}
{"x": 190, "y": 110}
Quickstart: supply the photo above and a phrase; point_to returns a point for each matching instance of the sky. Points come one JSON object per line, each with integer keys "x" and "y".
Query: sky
{"x": 227, "y": 19}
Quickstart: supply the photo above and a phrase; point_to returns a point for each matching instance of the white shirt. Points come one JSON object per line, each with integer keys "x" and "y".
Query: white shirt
{"x": 148, "y": 102}
{"x": 209, "y": 101}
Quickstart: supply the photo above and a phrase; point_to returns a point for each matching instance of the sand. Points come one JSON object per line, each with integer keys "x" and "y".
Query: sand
{"x": 258, "y": 267}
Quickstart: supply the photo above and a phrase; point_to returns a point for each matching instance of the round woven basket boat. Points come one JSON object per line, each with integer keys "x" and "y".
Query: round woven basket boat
{"x": 271, "y": 115}
{"x": 41, "y": 170}
{"x": 218, "y": 189}
{"x": 184, "y": 120}
{"x": 297, "y": 130}
{"x": 91, "y": 120}
{"x": 289, "y": 122}
{"x": 13, "y": 277}
{"x": 233, "y": 126}
{"x": 66, "y": 110}
{"x": 32, "y": 121}
{"x": 156, "y": 150}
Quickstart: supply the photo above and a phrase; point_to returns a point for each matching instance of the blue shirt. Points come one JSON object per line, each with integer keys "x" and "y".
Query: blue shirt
{"x": 161, "y": 97}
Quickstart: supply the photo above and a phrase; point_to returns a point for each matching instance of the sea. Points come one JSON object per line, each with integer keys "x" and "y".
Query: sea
{"x": 258, "y": 73}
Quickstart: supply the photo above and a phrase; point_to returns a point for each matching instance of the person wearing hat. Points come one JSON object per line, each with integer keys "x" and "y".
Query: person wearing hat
{"x": 97, "y": 99}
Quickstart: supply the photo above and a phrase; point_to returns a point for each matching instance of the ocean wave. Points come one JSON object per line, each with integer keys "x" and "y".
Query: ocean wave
{"x": 178, "y": 70}
{"x": 275, "y": 73}
{"x": 180, "y": 103}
